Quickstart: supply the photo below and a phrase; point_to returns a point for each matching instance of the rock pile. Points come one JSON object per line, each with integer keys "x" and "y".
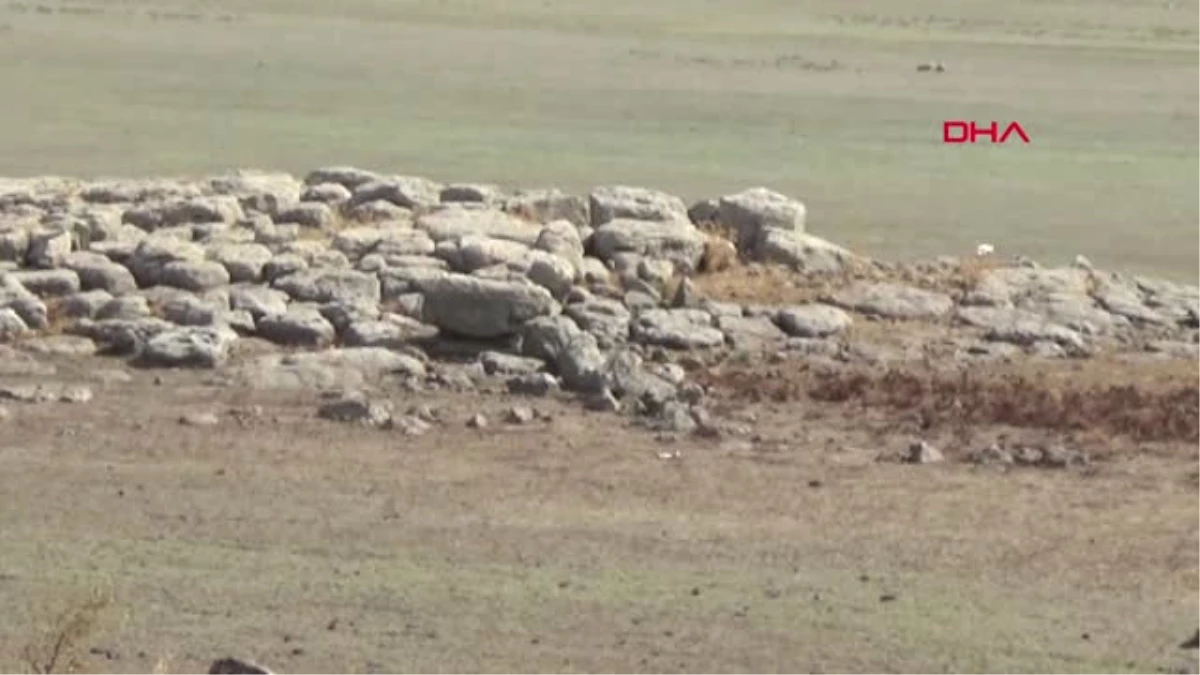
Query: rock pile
{"x": 360, "y": 273}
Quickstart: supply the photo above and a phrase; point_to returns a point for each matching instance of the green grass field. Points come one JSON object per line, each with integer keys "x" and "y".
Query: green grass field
{"x": 817, "y": 99}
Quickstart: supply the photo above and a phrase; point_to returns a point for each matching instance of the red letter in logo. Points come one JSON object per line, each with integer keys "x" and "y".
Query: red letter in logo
{"x": 948, "y": 137}
{"x": 990, "y": 132}
{"x": 1017, "y": 128}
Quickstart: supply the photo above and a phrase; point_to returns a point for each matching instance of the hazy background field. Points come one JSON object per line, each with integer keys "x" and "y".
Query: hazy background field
{"x": 819, "y": 99}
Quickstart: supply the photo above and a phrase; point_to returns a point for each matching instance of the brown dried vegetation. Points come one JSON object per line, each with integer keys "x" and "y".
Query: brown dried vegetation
{"x": 1162, "y": 411}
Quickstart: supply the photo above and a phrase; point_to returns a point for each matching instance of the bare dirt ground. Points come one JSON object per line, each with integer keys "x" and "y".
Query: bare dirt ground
{"x": 579, "y": 542}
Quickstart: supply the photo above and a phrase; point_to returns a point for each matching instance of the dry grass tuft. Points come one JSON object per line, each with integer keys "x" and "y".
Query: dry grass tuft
{"x": 60, "y": 645}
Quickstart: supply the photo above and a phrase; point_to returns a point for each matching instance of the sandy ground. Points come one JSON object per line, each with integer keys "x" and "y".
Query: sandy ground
{"x": 581, "y": 542}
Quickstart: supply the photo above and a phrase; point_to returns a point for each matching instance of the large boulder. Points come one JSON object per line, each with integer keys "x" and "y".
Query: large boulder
{"x": 548, "y": 205}
{"x": 676, "y": 329}
{"x": 676, "y": 240}
{"x": 752, "y": 212}
{"x": 571, "y": 352}
{"x": 892, "y": 301}
{"x": 483, "y": 308}
{"x": 612, "y": 202}
{"x": 325, "y": 285}
{"x": 191, "y": 347}
{"x": 265, "y": 192}
{"x": 453, "y": 222}
{"x": 800, "y": 251}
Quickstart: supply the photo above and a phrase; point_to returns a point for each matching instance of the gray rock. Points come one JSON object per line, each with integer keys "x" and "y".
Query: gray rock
{"x": 121, "y": 336}
{"x": 676, "y": 329}
{"x": 107, "y": 276}
{"x": 752, "y": 212}
{"x": 154, "y": 253}
{"x": 14, "y": 243}
{"x": 1004, "y": 287}
{"x": 12, "y": 326}
{"x": 800, "y": 251}
{"x": 594, "y": 271}
{"x": 1018, "y": 326}
{"x": 750, "y": 332}
{"x": 190, "y": 311}
{"x": 355, "y": 242}
{"x": 1081, "y": 314}
{"x": 326, "y": 285}
{"x": 257, "y": 300}
{"x": 892, "y": 301}
{"x": 173, "y": 212}
{"x": 266, "y": 192}
{"x": 548, "y": 205}
{"x": 48, "y": 283}
{"x": 923, "y": 453}
{"x": 561, "y": 238}
{"x": 48, "y": 248}
{"x": 813, "y": 320}
{"x": 628, "y": 380}
{"x": 378, "y": 211}
{"x": 611, "y": 202}
{"x": 572, "y": 354}
{"x": 410, "y": 192}
{"x": 483, "y": 308}
{"x": 473, "y": 252}
{"x": 677, "y": 240}
{"x": 311, "y": 215}
{"x": 341, "y": 313}
{"x": 393, "y": 331}
{"x": 298, "y": 326}
{"x": 126, "y": 307}
{"x": 399, "y": 243}
{"x": 347, "y": 176}
{"x": 400, "y": 281}
{"x": 86, "y": 304}
{"x": 454, "y": 222}
{"x": 477, "y": 421}
{"x": 60, "y": 345}
{"x": 1125, "y": 300}
{"x": 604, "y": 317}
{"x": 318, "y": 255}
{"x": 326, "y": 193}
{"x": 499, "y": 363}
{"x": 282, "y": 265}
{"x": 519, "y": 414}
{"x": 194, "y": 275}
{"x": 191, "y": 347}
{"x": 409, "y": 425}
{"x": 676, "y": 417}
{"x": 532, "y": 384}
{"x": 119, "y": 251}
{"x": 602, "y": 401}
{"x": 28, "y": 306}
{"x": 473, "y": 193}
{"x": 551, "y": 272}
{"x": 243, "y": 262}
{"x": 355, "y": 407}
{"x": 656, "y": 273}
{"x": 333, "y": 368}
{"x": 705, "y": 212}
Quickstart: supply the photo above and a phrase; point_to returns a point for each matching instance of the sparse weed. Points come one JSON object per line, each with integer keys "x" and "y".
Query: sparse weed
{"x": 60, "y": 644}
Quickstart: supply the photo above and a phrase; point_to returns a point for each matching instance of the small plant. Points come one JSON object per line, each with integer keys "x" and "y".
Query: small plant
{"x": 60, "y": 645}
